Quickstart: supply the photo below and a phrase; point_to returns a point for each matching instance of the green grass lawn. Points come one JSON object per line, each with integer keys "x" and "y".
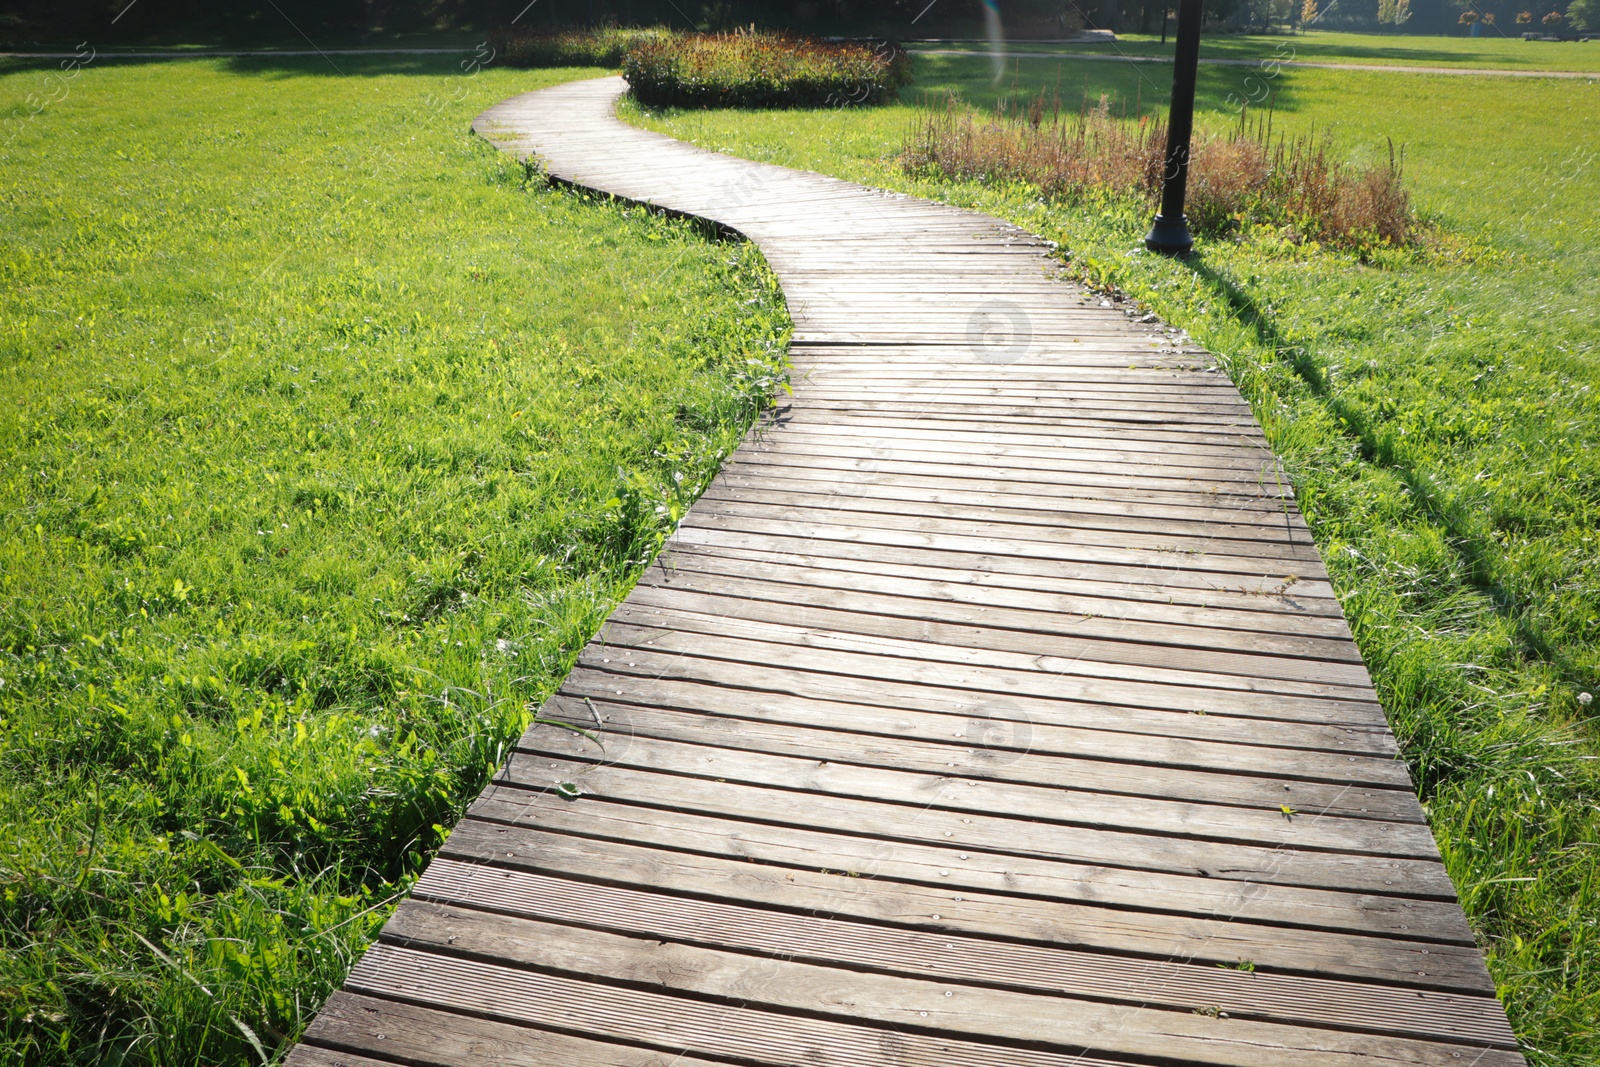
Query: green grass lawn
{"x": 326, "y": 440}
{"x": 1440, "y": 417}
{"x": 1501, "y": 47}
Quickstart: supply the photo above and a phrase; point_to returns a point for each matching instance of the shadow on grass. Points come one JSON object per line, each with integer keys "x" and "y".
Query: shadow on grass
{"x": 1312, "y": 50}
{"x": 1132, "y": 89}
{"x": 329, "y": 64}
{"x": 1377, "y": 449}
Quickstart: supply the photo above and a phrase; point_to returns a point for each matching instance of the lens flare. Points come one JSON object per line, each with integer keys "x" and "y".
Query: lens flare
{"x": 997, "y": 41}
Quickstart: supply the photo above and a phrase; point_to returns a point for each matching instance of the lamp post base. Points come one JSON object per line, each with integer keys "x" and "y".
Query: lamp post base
{"x": 1170, "y": 236}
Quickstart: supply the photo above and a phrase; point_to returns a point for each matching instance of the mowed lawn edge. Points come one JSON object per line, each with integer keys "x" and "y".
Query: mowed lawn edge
{"x": 330, "y": 435}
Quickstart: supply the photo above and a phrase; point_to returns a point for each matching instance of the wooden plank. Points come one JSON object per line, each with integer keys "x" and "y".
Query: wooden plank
{"x": 1061, "y": 480}
{"x": 994, "y": 409}
{"x": 641, "y": 669}
{"x": 1159, "y": 565}
{"x": 1110, "y": 363}
{"x": 310, "y": 1056}
{"x": 425, "y": 1037}
{"x": 993, "y": 412}
{"x": 1132, "y": 366}
{"x": 938, "y": 597}
{"x": 1045, "y": 414}
{"x": 1088, "y": 369}
{"x": 1009, "y": 751}
{"x": 940, "y": 341}
{"x": 1342, "y": 756}
{"x": 1134, "y": 412}
{"x": 987, "y": 639}
{"x": 1162, "y": 522}
{"x": 655, "y": 632}
{"x": 1175, "y": 511}
{"x": 1067, "y": 372}
{"x": 832, "y": 477}
{"x": 1043, "y": 969}
{"x": 873, "y": 894}
{"x": 948, "y": 785}
{"x": 673, "y": 1024}
{"x": 1049, "y": 633}
{"x": 1309, "y": 602}
{"x": 993, "y": 448}
{"x": 1176, "y": 400}
{"x": 976, "y": 403}
{"x": 943, "y": 820}
{"x": 1133, "y": 363}
{"x": 937, "y": 863}
{"x": 1134, "y": 421}
{"x": 1058, "y": 1023}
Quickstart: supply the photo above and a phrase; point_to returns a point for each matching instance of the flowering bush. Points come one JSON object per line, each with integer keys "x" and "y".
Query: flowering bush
{"x": 1524, "y": 18}
{"x": 763, "y": 70}
{"x": 1552, "y": 19}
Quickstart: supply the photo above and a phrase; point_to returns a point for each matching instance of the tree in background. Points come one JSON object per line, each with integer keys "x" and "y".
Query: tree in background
{"x": 1395, "y": 12}
{"x": 106, "y": 23}
{"x": 272, "y": 23}
{"x": 1552, "y": 20}
{"x": 1584, "y": 15}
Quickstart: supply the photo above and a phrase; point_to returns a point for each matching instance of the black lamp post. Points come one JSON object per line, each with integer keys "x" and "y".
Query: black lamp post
{"x": 1170, "y": 233}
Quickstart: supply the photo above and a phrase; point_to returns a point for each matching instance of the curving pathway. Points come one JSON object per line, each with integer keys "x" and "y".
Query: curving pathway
{"x": 992, "y": 707}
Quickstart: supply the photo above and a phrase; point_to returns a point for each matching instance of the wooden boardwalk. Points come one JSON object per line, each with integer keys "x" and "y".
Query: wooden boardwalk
{"x": 992, "y": 707}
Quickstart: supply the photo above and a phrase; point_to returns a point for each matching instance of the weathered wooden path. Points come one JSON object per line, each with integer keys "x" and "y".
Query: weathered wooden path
{"x": 991, "y": 708}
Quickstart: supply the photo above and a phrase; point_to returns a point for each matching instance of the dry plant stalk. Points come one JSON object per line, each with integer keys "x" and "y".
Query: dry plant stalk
{"x": 1241, "y": 179}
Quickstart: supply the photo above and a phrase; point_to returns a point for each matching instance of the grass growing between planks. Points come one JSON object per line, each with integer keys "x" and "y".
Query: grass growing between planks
{"x": 1439, "y": 416}
{"x": 327, "y": 441}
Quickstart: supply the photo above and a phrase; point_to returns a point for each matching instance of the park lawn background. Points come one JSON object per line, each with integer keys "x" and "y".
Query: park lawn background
{"x": 1500, "y": 48}
{"x": 327, "y": 439}
{"x": 1438, "y": 414}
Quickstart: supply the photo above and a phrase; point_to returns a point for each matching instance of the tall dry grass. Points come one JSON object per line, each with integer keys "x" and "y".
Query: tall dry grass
{"x": 762, "y": 69}
{"x": 1236, "y": 180}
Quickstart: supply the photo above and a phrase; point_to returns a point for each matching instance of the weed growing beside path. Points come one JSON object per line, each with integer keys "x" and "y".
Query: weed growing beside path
{"x": 1239, "y": 179}
{"x": 327, "y": 443}
{"x": 1440, "y": 420}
